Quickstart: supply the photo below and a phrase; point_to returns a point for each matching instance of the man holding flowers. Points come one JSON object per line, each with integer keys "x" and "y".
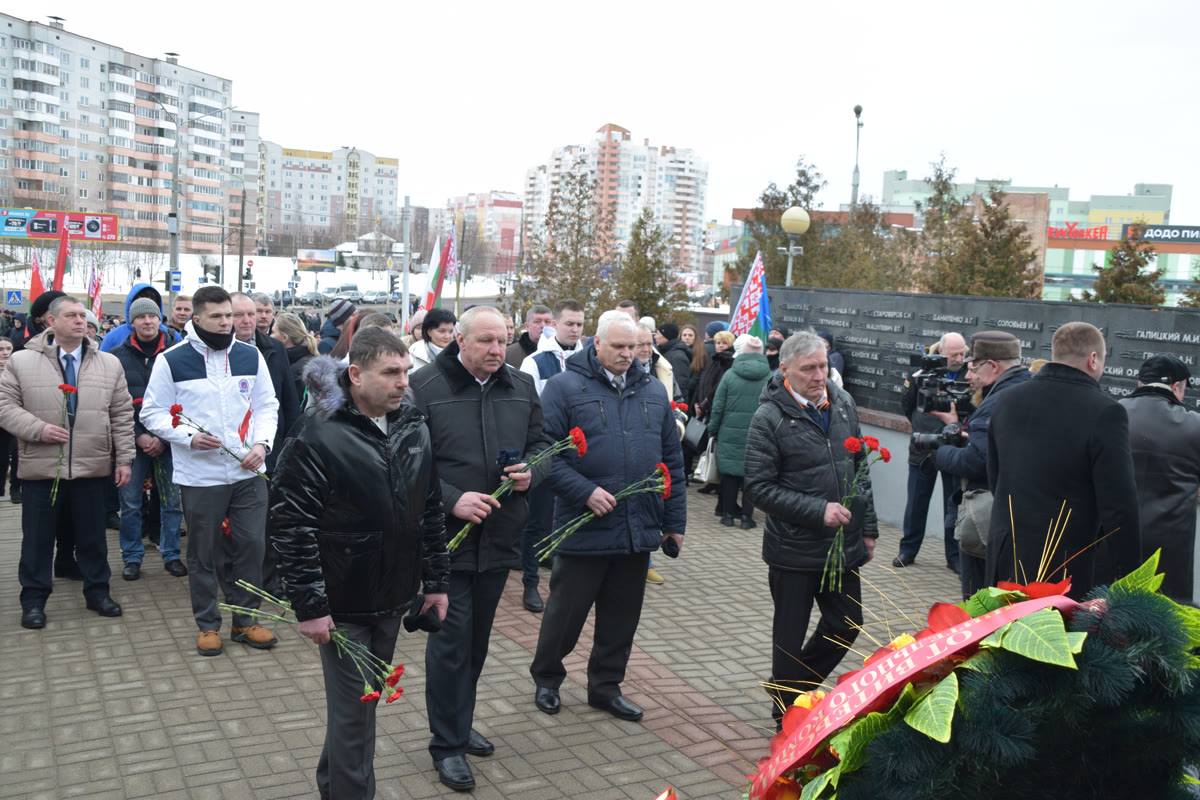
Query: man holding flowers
{"x": 221, "y": 391}
{"x": 803, "y": 451}
{"x": 357, "y": 520}
{"x": 485, "y": 423}
{"x": 69, "y": 406}
{"x": 626, "y": 416}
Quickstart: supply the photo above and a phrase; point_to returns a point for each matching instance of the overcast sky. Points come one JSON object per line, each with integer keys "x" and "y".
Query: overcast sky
{"x": 1096, "y": 96}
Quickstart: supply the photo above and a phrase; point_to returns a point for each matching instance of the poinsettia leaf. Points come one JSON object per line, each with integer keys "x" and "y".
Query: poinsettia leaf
{"x": 983, "y": 661}
{"x": 989, "y": 599}
{"x": 934, "y": 713}
{"x": 1190, "y": 618}
{"x": 1144, "y": 577}
{"x": 817, "y": 785}
{"x": 1040, "y": 636}
{"x": 996, "y": 637}
{"x": 1076, "y": 640}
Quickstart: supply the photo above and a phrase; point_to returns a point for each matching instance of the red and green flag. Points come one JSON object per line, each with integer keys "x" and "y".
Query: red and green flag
{"x": 753, "y": 314}
{"x": 63, "y": 264}
{"x": 447, "y": 266}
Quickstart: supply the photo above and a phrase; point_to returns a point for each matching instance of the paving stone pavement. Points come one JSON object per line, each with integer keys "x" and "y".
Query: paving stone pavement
{"x": 125, "y": 708}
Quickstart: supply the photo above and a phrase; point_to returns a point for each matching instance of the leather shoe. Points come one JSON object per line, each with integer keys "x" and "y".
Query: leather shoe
{"x": 455, "y": 772}
{"x": 478, "y": 745}
{"x": 900, "y": 562}
{"x": 105, "y": 607}
{"x": 727, "y": 520}
{"x": 33, "y": 618}
{"x": 619, "y": 707}
{"x": 132, "y": 571}
{"x": 533, "y": 600}
{"x": 547, "y": 700}
{"x": 175, "y": 568}
{"x": 15, "y": 496}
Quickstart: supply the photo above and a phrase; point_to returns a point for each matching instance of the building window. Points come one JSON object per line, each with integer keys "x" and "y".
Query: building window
{"x": 84, "y": 63}
{"x": 83, "y": 174}
{"x": 83, "y": 194}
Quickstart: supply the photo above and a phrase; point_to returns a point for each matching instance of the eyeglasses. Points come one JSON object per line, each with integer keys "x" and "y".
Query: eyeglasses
{"x": 975, "y": 366}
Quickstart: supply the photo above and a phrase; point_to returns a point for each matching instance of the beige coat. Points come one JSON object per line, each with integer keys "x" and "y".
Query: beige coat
{"x": 30, "y": 398}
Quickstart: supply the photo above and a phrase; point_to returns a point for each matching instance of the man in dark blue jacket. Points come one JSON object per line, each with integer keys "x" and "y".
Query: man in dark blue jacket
{"x": 994, "y": 366}
{"x": 137, "y": 358}
{"x": 630, "y": 428}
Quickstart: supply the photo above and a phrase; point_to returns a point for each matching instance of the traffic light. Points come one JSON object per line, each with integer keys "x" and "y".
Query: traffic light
{"x": 392, "y": 281}
{"x": 248, "y": 276}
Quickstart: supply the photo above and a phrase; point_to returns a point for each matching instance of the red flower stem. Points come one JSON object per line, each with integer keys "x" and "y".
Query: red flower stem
{"x": 233, "y": 455}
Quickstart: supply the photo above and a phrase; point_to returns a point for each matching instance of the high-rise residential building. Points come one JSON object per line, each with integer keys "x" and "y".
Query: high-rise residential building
{"x": 489, "y": 225}
{"x": 672, "y": 182}
{"x": 243, "y": 170}
{"x": 319, "y": 199}
{"x": 87, "y": 125}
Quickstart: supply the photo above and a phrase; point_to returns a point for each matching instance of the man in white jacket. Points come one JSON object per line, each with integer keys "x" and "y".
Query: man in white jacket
{"x": 223, "y": 386}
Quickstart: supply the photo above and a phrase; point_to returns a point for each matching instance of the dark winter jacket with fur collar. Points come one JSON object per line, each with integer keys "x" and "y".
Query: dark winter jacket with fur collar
{"x": 356, "y": 514}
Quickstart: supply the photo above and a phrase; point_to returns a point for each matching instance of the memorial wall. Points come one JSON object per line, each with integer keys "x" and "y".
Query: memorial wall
{"x": 876, "y": 332}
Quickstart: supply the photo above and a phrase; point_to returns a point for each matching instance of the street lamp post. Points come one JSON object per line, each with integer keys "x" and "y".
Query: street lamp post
{"x": 857, "y": 135}
{"x": 795, "y": 223}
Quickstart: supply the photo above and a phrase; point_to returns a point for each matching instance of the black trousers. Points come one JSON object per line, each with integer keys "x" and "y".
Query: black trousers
{"x": 798, "y": 666}
{"x": 454, "y": 657}
{"x": 83, "y": 499}
{"x": 973, "y": 571}
{"x": 616, "y": 585}
{"x": 8, "y": 460}
{"x": 730, "y": 486}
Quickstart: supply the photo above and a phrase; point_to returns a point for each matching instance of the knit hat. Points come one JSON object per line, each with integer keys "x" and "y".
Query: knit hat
{"x": 715, "y": 327}
{"x": 1163, "y": 368}
{"x": 669, "y": 330}
{"x": 91, "y": 318}
{"x": 143, "y": 305}
{"x": 42, "y": 304}
{"x": 341, "y": 311}
{"x": 994, "y": 346}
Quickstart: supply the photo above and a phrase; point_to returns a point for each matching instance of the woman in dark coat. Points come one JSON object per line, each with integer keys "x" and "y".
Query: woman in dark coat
{"x": 706, "y": 390}
{"x": 729, "y": 421}
{"x": 301, "y": 347}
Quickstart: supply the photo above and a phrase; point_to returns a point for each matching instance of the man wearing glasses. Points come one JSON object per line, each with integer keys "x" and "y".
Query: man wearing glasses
{"x": 994, "y": 365}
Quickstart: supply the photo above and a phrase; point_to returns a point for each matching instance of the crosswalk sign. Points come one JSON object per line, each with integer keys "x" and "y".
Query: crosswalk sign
{"x": 14, "y": 298}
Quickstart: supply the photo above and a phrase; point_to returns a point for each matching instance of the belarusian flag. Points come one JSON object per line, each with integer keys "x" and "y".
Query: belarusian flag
{"x": 449, "y": 263}
{"x": 62, "y": 264}
{"x": 753, "y": 315}
{"x": 96, "y": 302}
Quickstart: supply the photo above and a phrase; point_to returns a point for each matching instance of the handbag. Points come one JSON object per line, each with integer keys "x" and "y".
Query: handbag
{"x": 974, "y": 519}
{"x": 694, "y": 433}
{"x": 706, "y": 464}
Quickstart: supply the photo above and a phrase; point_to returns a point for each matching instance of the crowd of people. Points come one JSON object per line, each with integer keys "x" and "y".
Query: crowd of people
{"x": 331, "y": 464}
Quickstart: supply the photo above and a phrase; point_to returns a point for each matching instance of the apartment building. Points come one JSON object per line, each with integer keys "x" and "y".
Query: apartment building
{"x": 630, "y": 176}
{"x": 87, "y": 125}
{"x": 489, "y": 225}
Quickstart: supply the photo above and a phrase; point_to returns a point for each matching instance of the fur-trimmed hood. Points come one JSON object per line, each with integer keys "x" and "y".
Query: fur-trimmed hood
{"x": 326, "y": 380}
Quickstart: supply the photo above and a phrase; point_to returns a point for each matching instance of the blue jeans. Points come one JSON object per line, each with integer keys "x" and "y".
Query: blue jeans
{"x": 920, "y": 492}
{"x": 132, "y": 548}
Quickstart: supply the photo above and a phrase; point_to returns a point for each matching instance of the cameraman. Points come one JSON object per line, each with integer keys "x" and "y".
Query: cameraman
{"x": 922, "y": 472}
{"x": 994, "y": 365}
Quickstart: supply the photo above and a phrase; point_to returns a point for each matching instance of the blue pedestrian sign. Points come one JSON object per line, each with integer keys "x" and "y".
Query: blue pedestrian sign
{"x": 176, "y": 281}
{"x": 14, "y": 298}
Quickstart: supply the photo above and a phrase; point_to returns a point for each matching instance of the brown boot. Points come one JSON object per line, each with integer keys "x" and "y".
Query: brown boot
{"x": 256, "y": 636}
{"x": 209, "y": 643}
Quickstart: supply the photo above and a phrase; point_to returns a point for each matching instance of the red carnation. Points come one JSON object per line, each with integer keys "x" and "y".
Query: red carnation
{"x": 137, "y": 401}
{"x": 578, "y": 441}
{"x": 885, "y": 454}
{"x": 68, "y": 388}
{"x": 175, "y": 422}
{"x": 683, "y": 407}
{"x": 871, "y": 442}
{"x": 366, "y": 698}
{"x": 666, "y": 476}
{"x": 398, "y": 670}
{"x": 225, "y": 528}
{"x": 394, "y": 695}
{"x": 392, "y": 679}
{"x": 176, "y": 410}
{"x": 852, "y": 445}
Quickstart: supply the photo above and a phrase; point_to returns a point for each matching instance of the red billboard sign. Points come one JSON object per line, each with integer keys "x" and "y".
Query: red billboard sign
{"x": 32, "y": 223}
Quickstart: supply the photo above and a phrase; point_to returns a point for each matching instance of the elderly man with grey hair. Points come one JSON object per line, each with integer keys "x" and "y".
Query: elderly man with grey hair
{"x": 485, "y": 422}
{"x": 797, "y": 468}
{"x": 626, "y": 416}
{"x": 264, "y": 312}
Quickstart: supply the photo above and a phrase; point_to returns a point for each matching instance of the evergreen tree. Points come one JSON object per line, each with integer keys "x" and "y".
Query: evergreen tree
{"x": 1191, "y": 295}
{"x": 937, "y": 253}
{"x": 998, "y": 258}
{"x": 768, "y": 237}
{"x": 645, "y": 276}
{"x": 861, "y": 254}
{"x": 1128, "y": 276}
{"x": 572, "y": 257}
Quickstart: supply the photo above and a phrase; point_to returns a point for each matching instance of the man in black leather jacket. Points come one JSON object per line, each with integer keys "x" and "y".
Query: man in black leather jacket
{"x": 797, "y": 467}
{"x": 357, "y": 518}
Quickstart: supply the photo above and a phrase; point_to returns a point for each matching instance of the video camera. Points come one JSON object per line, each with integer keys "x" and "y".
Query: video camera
{"x": 936, "y": 392}
{"x": 951, "y": 435}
